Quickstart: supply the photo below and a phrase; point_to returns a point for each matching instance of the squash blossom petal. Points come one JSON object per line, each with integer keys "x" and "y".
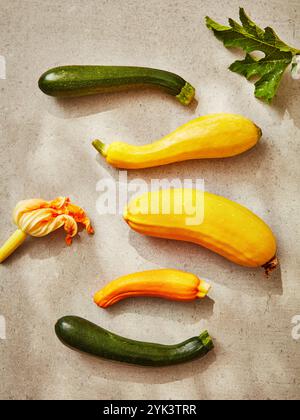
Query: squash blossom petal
{"x": 37, "y": 217}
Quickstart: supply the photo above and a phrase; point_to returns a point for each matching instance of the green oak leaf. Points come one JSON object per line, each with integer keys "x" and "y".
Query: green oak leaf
{"x": 250, "y": 37}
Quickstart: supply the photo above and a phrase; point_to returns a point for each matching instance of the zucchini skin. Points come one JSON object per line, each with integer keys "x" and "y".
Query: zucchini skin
{"x": 83, "y": 335}
{"x": 73, "y": 81}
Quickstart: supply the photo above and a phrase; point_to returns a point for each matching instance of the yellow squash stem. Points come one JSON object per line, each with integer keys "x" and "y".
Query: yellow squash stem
{"x": 203, "y": 289}
{"x": 100, "y": 147}
{"x": 12, "y": 244}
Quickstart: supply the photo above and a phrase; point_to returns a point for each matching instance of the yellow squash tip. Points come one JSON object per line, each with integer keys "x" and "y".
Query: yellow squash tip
{"x": 271, "y": 266}
{"x": 98, "y": 296}
{"x": 125, "y": 214}
{"x": 259, "y": 130}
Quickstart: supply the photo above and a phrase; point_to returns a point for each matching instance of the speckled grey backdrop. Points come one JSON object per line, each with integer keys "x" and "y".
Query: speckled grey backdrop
{"x": 45, "y": 151}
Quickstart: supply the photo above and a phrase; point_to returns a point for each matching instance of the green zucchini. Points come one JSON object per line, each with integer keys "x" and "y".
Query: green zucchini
{"x": 72, "y": 81}
{"x": 85, "y": 336}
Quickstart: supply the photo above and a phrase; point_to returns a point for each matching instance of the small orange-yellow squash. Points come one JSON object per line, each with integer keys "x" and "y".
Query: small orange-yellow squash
{"x": 167, "y": 284}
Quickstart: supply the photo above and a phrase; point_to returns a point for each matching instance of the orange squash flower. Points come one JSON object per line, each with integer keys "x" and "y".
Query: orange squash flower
{"x": 37, "y": 217}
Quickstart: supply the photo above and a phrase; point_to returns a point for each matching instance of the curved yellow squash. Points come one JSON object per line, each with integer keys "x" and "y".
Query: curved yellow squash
{"x": 166, "y": 284}
{"x": 211, "y": 136}
{"x": 214, "y": 222}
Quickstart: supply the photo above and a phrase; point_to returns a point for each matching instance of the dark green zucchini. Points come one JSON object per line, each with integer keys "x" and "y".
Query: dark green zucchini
{"x": 72, "y": 81}
{"x": 85, "y": 336}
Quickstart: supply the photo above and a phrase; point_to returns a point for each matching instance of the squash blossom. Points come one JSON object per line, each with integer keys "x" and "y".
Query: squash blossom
{"x": 37, "y": 217}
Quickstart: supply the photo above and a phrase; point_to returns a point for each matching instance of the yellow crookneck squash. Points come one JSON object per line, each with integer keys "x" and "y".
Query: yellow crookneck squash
{"x": 211, "y": 136}
{"x": 212, "y": 221}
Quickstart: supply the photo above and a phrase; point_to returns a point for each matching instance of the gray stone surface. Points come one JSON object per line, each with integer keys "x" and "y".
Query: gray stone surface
{"x": 45, "y": 152}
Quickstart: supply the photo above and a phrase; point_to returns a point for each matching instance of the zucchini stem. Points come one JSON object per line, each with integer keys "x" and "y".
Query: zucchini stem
{"x": 186, "y": 94}
{"x": 12, "y": 244}
{"x": 100, "y": 147}
{"x": 206, "y": 340}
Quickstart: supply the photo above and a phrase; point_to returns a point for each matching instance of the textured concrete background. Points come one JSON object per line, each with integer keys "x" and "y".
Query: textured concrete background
{"x": 45, "y": 152}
